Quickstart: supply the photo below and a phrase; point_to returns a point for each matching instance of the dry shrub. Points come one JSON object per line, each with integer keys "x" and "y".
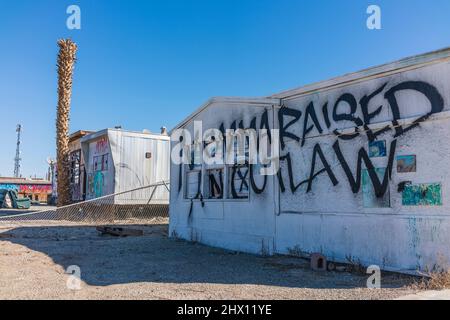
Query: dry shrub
{"x": 439, "y": 280}
{"x": 355, "y": 266}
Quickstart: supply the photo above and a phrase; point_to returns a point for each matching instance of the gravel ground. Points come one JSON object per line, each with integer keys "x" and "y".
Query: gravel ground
{"x": 35, "y": 255}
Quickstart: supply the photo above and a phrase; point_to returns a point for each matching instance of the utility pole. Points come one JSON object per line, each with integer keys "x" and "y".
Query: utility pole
{"x": 51, "y": 172}
{"x": 17, "y": 158}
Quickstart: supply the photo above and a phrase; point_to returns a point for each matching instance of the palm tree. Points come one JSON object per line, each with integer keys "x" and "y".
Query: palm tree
{"x": 66, "y": 63}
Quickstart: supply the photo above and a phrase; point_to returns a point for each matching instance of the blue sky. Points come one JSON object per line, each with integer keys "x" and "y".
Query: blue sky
{"x": 144, "y": 64}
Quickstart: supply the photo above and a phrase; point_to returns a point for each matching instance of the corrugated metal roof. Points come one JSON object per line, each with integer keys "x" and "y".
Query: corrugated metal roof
{"x": 98, "y": 134}
{"x": 11, "y": 180}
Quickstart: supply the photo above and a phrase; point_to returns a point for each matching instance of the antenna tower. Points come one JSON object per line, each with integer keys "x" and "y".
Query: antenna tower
{"x": 17, "y": 158}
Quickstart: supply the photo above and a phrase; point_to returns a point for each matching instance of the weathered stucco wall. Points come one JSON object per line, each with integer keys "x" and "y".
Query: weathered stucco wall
{"x": 406, "y": 228}
{"x": 363, "y": 174}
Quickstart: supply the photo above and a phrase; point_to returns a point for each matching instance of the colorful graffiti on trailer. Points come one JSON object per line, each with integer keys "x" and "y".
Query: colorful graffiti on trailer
{"x": 8, "y": 186}
{"x": 95, "y": 184}
{"x": 101, "y": 146}
{"x": 99, "y": 166}
{"x": 98, "y": 184}
{"x": 27, "y": 188}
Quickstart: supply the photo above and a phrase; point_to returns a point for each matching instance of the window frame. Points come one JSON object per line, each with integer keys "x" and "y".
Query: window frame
{"x": 229, "y": 182}
{"x": 226, "y": 168}
{"x": 206, "y": 182}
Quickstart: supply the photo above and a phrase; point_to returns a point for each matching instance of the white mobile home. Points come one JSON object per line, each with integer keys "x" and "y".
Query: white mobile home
{"x": 119, "y": 161}
{"x": 363, "y": 172}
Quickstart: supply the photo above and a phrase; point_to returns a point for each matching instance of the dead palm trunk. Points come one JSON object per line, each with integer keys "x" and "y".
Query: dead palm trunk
{"x": 66, "y": 63}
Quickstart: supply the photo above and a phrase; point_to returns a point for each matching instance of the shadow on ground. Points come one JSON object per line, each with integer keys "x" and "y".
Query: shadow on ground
{"x": 108, "y": 260}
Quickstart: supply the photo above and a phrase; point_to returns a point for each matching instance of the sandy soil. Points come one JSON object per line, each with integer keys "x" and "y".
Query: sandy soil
{"x": 35, "y": 255}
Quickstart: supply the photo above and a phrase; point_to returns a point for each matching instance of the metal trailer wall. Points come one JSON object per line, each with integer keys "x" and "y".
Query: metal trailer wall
{"x": 362, "y": 177}
{"x": 134, "y": 160}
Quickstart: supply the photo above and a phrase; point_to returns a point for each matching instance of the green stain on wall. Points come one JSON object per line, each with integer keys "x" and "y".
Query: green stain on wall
{"x": 370, "y": 200}
{"x": 425, "y": 194}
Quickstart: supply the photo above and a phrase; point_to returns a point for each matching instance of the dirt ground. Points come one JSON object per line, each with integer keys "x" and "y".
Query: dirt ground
{"x": 34, "y": 256}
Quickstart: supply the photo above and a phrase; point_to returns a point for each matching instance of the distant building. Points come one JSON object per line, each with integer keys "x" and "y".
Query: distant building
{"x": 36, "y": 189}
{"x": 77, "y": 173}
{"x": 118, "y": 160}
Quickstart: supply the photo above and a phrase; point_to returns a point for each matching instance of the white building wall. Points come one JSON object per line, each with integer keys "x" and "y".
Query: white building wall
{"x": 334, "y": 220}
{"x": 237, "y": 224}
{"x": 405, "y": 230}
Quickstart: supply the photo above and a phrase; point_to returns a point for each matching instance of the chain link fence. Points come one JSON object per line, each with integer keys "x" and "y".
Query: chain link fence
{"x": 139, "y": 205}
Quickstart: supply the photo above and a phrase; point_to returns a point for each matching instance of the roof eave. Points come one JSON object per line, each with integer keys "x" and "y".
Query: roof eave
{"x": 230, "y": 100}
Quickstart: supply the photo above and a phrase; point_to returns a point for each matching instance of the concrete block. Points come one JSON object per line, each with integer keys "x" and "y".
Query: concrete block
{"x": 318, "y": 262}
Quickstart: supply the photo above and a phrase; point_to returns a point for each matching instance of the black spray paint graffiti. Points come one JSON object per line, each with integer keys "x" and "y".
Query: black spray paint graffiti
{"x": 241, "y": 172}
{"x": 215, "y": 184}
{"x": 289, "y": 117}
